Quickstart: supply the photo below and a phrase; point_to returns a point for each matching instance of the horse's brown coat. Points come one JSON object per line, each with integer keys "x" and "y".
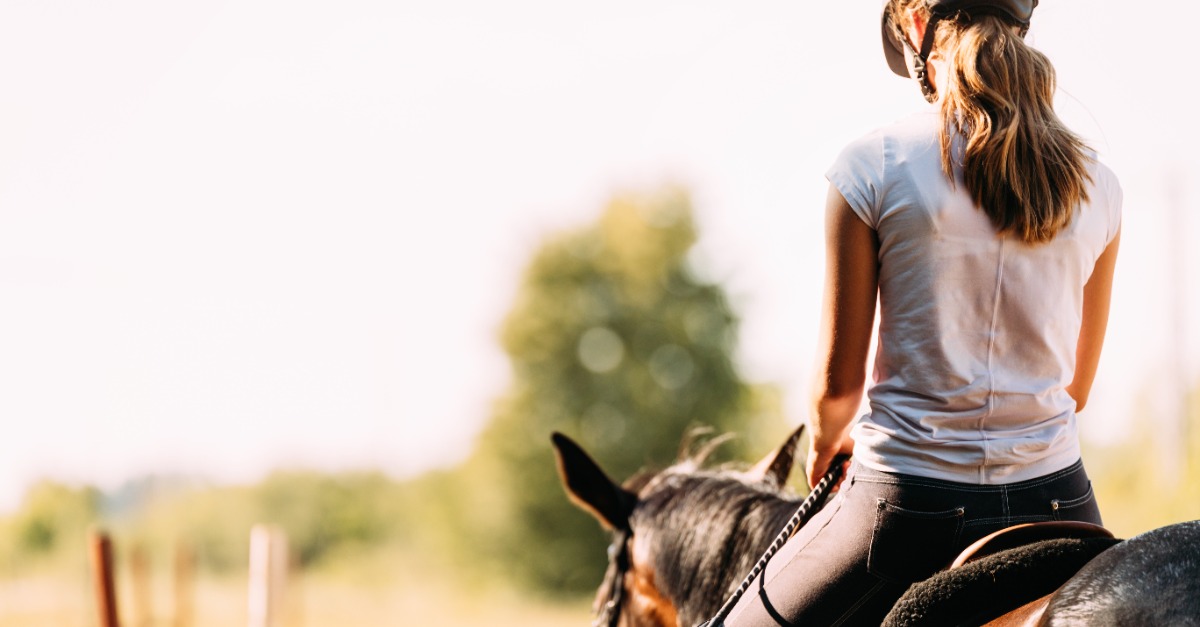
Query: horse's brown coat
{"x": 1027, "y": 615}
{"x": 646, "y": 602}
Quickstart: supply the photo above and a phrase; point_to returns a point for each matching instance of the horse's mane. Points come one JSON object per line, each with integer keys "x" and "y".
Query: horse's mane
{"x": 708, "y": 526}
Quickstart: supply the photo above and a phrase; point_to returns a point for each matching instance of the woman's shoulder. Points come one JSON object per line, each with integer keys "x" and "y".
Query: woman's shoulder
{"x": 1102, "y": 175}
{"x": 911, "y": 139}
{"x": 921, "y": 126}
{"x": 871, "y": 167}
{"x": 1103, "y": 180}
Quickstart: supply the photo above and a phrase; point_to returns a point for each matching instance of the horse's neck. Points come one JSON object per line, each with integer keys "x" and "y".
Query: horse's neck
{"x": 721, "y": 556}
{"x": 758, "y": 531}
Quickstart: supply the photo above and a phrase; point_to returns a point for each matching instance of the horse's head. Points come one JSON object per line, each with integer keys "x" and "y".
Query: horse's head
{"x": 682, "y": 537}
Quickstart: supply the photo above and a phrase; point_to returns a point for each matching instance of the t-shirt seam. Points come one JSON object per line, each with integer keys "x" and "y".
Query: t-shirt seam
{"x": 883, "y": 178}
{"x": 991, "y": 397}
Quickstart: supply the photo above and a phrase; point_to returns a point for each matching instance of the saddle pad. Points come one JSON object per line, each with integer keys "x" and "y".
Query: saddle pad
{"x": 987, "y": 588}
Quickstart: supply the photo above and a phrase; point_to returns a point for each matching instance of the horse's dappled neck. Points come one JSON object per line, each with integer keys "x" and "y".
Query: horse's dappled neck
{"x": 705, "y": 530}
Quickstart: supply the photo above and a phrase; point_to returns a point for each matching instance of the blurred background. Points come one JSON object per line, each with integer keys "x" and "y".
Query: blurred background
{"x": 342, "y": 267}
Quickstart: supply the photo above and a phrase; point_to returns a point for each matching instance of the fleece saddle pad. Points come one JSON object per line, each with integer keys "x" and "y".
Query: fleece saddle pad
{"x": 980, "y": 591}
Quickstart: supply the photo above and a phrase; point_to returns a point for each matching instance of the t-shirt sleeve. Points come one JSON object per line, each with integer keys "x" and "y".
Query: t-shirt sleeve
{"x": 858, "y": 174}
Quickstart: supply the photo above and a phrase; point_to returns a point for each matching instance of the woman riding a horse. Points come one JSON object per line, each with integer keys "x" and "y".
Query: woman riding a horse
{"x": 987, "y": 233}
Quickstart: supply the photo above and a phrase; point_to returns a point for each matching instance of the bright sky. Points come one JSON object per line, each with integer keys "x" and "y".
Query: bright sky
{"x": 238, "y": 235}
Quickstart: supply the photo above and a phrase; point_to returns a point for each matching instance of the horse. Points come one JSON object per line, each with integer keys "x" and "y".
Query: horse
{"x": 683, "y": 538}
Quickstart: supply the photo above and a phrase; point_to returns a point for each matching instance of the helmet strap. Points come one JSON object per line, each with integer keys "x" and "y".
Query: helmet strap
{"x": 918, "y": 60}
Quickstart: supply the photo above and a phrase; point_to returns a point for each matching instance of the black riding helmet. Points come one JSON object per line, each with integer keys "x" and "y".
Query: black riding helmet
{"x": 1016, "y": 11}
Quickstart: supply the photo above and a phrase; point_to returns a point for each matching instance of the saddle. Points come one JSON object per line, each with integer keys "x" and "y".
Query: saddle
{"x": 1028, "y": 533}
{"x": 1009, "y": 569}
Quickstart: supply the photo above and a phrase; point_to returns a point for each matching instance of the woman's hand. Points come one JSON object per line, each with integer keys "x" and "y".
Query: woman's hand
{"x": 820, "y": 458}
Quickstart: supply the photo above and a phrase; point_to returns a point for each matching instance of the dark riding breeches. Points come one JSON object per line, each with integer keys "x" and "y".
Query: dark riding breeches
{"x": 883, "y": 531}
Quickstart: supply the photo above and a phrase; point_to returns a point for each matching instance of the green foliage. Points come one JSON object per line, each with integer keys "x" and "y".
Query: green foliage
{"x": 213, "y": 522}
{"x": 614, "y": 341}
{"x": 53, "y": 513}
{"x": 326, "y": 516}
{"x": 53, "y": 518}
{"x": 321, "y": 513}
{"x": 1132, "y": 486}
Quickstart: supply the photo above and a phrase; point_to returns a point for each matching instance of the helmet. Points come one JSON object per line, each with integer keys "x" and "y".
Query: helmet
{"x": 1016, "y": 11}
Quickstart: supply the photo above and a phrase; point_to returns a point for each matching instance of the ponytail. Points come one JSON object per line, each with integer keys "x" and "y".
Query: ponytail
{"x": 1022, "y": 166}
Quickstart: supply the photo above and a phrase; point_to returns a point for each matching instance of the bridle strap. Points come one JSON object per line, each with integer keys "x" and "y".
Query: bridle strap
{"x": 813, "y": 503}
{"x": 618, "y": 561}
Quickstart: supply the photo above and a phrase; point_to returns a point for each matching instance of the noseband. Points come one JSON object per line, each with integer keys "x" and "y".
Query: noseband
{"x": 618, "y": 565}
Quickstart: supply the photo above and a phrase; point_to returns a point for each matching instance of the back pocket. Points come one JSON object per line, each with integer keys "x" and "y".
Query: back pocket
{"x": 908, "y": 545}
{"x": 1082, "y": 508}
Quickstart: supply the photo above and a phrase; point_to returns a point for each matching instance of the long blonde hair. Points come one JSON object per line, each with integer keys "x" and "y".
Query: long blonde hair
{"x": 1022, "y": 166}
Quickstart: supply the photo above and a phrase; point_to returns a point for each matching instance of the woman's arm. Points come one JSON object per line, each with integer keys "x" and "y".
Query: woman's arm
{"x": 1097, "y": 295}
{"x": 847, "y": 315}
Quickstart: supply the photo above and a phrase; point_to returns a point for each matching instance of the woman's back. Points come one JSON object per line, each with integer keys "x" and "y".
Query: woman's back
{"x": 978, "y": 330}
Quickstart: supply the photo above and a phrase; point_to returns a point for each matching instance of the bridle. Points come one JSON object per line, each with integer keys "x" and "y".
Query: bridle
{"x": 609, "y": 614}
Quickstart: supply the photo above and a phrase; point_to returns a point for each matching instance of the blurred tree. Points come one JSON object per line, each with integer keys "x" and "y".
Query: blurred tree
{"x": 52, "y": 518}
{"x": 616, "y": 342}
{"x": 326, "y": 513}
{"x": 325, "y": 516}
{"x": 1127, "y": 475}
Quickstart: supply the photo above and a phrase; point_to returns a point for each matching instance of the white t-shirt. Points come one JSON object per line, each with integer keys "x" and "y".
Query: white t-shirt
{"x": 977, "y": 331}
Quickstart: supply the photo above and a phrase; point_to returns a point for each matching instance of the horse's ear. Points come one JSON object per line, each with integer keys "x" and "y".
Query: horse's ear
{"x": 775, "y": 468}
{"x": 588, "y": 486}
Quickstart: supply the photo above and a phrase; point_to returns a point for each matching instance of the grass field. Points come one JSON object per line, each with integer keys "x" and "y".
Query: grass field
{"x": 312, "y": 601}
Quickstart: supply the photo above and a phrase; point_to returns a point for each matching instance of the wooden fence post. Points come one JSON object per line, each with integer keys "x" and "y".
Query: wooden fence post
{"x": 268, "y": 572}
{"x": 100, "y": 556}
{"x": 184, "y": 566}
{"x": 139, "y": 579}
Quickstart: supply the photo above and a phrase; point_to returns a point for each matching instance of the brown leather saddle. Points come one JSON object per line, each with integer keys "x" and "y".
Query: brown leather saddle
{"x": 1028, "y": 533}
{"x": 1017, "y": 567}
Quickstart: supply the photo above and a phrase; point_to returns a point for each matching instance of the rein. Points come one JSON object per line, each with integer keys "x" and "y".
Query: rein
{"x": 618, "y": 564}
{"x": 815, "y": 500}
